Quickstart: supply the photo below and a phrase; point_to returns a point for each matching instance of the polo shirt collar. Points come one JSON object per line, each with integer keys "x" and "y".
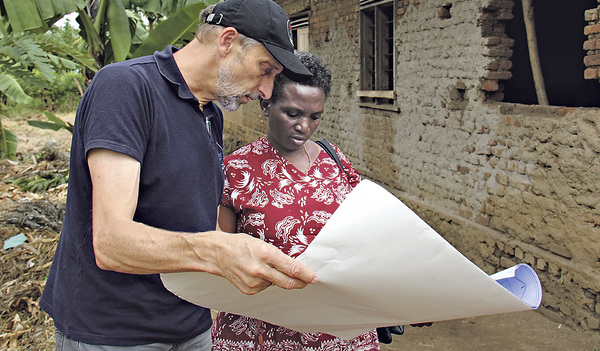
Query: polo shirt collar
{"x": 169, "y": 70}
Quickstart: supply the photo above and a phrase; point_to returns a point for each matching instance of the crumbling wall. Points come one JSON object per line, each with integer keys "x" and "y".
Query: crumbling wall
{"x": 503, "y": 183}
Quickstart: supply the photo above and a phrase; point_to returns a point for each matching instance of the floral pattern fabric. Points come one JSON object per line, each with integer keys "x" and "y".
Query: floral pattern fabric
{"x": 276, "y": 202}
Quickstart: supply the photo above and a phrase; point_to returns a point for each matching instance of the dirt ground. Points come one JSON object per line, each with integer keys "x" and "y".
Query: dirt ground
{"x": 23, "y": 269}
{"x": 521, "y": 331}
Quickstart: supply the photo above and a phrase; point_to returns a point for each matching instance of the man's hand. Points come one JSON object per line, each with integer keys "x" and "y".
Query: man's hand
{"x": 253, "y": 265}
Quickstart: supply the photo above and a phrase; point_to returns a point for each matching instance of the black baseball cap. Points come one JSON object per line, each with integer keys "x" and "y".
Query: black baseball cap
{"x": 266, "y": 22}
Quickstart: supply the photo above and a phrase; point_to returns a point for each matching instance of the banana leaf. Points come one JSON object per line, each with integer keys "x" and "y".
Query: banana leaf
{"x": 118, "y": 26}
{"x": 89, "y": 32}
{"x": 22, "y": 15}
{"x": 54, "y": 124}
{"x": 172, "y": 29}
{"x": 8, "y": 144}
{"x": 34, "y": 15}
{"x": 10, "y": 87}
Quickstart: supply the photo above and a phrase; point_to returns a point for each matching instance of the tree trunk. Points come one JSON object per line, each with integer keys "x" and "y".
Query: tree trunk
{"x": 534, "y": 56}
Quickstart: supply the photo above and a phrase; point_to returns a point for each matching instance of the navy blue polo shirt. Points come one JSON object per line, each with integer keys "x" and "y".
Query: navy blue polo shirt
{"x": 142, "y": 108}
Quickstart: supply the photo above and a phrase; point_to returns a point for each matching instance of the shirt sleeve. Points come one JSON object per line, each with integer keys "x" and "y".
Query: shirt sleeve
{"x": 115, "y": 112}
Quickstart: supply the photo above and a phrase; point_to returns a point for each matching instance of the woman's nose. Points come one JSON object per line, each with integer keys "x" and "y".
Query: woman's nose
{"x": 302, "y": 125}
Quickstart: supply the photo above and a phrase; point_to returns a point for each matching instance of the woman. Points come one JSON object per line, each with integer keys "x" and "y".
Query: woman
{"x": 282, "y": 189}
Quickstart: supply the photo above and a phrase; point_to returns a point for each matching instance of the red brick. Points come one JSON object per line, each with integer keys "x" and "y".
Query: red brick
{"x": 590, "y": 73}
{"x": 506, "y": 65}
{"x": 492, "y": 41}
{"x": 592, "y": 60}
{"x": 595, "y": 28}
{"x": 492, "y": 66}
{"x": 591, "y": 15}
{"x": 589, "y": 45}
{"x": 498, "y": 75}
{"x": 490, "y": 85}
{"x": 507, "y": 42}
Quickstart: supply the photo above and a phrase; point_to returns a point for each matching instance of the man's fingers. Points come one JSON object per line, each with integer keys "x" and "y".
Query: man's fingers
{"x": 255, "y": 265}
{"x": 289, "y": 273}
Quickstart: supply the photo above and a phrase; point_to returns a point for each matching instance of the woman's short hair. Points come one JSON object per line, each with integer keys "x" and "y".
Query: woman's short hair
{"x": 321, "y": 76}
{"x": 207, "y": 32}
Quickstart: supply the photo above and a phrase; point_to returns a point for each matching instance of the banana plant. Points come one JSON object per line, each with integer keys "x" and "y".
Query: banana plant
{"x": 22, "y": 54}
{"x": 176, "y": 22}
{"x": 112, "y": 30}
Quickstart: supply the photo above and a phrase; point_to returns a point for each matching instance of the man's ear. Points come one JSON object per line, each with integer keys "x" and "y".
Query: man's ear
{"x": 226, "y": 39}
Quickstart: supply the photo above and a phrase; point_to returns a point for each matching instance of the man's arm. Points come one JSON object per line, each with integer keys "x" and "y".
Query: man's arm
{"x": 226, "y": 220}
{"x": 122, "y": 245}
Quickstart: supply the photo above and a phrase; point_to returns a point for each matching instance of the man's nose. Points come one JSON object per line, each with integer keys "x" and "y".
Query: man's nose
{"x": 265, "y": 88}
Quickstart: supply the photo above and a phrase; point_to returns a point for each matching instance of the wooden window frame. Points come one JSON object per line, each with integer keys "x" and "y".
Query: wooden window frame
{"x": 299, "y": 24}
{"x": 377, "y": 52}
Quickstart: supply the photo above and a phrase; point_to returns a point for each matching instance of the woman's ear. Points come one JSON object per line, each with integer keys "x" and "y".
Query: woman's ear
{"x": 264, "y": 105}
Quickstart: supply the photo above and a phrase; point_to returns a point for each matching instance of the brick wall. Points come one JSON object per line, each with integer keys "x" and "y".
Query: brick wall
{"x": 592, "y": 45}
{"x": 503, "y": 183}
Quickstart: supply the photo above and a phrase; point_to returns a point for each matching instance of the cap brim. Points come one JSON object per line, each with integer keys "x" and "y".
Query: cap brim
{"x": 292, "y": 67}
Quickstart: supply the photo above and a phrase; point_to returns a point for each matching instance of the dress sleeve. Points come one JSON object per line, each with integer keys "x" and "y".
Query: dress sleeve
{"x": 226, "y": 199}
{"x": 353, "y": 176}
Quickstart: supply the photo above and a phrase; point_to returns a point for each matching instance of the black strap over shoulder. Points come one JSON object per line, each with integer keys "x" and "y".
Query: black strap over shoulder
{"x": 331, "y": 152}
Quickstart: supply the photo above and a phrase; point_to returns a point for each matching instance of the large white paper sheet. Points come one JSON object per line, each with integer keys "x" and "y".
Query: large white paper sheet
{"x": 378, "y": 264}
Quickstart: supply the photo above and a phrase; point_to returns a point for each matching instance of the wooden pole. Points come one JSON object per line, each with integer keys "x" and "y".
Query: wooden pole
{"x": 534, "y": 56}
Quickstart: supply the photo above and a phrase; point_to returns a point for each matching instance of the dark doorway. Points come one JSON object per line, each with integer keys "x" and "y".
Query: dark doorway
{"x": 559, "y": 27}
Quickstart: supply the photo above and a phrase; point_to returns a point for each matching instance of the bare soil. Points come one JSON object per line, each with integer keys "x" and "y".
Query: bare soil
{"x": 23, "y": 270}
{"x": 521, "y": 331}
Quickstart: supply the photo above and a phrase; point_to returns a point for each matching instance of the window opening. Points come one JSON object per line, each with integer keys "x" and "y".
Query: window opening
{"x": 377, "y": 52}
{"x": 299, "y": 24}
{"x": 559, "y": 29}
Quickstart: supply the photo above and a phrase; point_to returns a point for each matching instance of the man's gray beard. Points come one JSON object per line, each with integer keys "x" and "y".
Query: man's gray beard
{"x": 227, "y": 92}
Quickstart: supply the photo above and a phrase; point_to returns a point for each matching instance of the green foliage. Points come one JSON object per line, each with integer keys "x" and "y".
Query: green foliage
{"x": 114, "y": 29}
{"x": 8, "y": 144}
{"x": 54, "y": 124}
{"x": 181, "y": 24}
{"x": 60, "y": 95}
{"x": 27, "y": 58}
{"x": 37, "y": 183}
{"x": 19, "y": 54}
{"x": 37, "y": 15}
{"x": 37, "y": 61}
{"x": 118, "y": 26}
{"x": 11, "y": 88}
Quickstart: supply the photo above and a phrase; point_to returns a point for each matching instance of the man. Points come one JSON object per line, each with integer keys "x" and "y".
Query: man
{"x": 145, "y": 182}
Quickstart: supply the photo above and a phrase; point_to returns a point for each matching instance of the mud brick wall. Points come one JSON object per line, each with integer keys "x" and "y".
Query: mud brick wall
{"x": 592, "y": 45}
{"x": 503, "y": 183}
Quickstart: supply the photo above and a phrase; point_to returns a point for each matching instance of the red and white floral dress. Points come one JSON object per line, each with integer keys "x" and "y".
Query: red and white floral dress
{"x": 278, "y": 203}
